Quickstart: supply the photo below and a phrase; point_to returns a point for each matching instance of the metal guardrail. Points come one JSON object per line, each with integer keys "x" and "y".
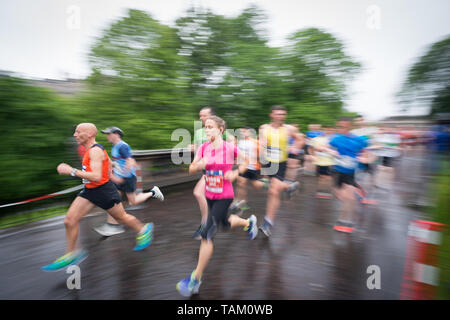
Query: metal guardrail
{"x": 157, "y": 167}
{"x": 158, "y": 152}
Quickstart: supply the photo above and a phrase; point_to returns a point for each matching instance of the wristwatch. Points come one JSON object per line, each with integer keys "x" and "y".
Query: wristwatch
{"x": 73, "y": 172}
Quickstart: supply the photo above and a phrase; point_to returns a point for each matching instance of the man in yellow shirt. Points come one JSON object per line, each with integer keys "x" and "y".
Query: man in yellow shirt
{"x": 273, "y": 140}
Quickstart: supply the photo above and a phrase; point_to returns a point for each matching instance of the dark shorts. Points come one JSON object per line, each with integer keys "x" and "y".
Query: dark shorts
{"x": 307, "y": 149}
{"x": 341, "y": 178}
{"x": 388, "y": 161}
{"x": 217, "y": 215}
{"x": 128, "y": 186}
{"x": 280, "y": 173}
{"x": 106, "y": 196}
{"x": 251, "y": 174}
{"x": 295, "y": 156}
{"x": 367, "y": 167}
{"x": 323, "y": 170}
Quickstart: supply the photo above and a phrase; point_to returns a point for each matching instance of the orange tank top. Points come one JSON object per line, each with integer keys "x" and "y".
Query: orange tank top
{"x": 87, "y": 168}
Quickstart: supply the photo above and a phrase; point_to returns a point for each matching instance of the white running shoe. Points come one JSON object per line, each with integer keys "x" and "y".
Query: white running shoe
{"x": 158, "y": 194}
{"x": 108, "y": 229}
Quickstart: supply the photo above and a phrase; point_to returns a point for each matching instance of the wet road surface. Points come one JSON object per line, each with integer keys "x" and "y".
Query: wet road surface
{"x": 304, "y": 259}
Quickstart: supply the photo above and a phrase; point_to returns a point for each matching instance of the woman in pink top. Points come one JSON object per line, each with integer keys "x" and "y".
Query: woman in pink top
{"x": 217, "y": 157}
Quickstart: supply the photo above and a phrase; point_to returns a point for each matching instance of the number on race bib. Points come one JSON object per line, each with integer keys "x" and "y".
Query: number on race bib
{"x": 214, "y": 181}
{"x": 273, "y": 153}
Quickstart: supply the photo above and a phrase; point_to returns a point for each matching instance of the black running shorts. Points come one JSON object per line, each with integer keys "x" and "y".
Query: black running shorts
{"x": 388, "y": 161}
{"x": 217, "y": 215}
{"x": 280, "y": 173}
{"x": 323, "y": 170}
{"x": 341, "y": 178}
{"x": 128, "y": 185}
{"x": 251, "y": 174}
{"x": 106, "y": 196}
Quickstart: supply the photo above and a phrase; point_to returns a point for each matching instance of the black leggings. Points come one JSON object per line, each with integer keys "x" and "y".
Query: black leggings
{"x": 217, "y": 215}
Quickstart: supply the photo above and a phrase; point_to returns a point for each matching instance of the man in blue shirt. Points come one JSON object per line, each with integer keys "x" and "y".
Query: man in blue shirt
{"x": 124, "y": 177}
{"x": 348, "y": 151}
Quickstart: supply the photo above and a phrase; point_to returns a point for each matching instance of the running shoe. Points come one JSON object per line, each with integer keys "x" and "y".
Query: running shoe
{"x": 109, "y": 229}
{"x": 189, "y": 285}
{"x": 266, "y": 228}
{"x": 252, "y": 228}
{"x": 234, "y": 208}
{"x": 346, "y": 227}
{"x": 198, "y": 233}
{"x": 244, "y": 207}
{"x": 369, "y": 202}
{"x": 74, "y": 257}
{"x": 157, "y": 194}
{"x": 239, "y": 207}
{"x": 292, "y": 189}
{"x": 144, "y": 239}
{"x": 266, "y": 183}
{"x": 323, "y": 195}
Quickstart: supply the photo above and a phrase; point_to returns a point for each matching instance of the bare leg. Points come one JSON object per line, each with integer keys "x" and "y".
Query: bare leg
{"x": 241, "y": 193}
{"x": 257, "y": 184}
{"x": 324, "y": 183}
{"x": 205, "y": 254}
{"x": 273, "y": 200}
{"x": 118, "y": 212}
{"x": 199, "y": 194}
{"x": 135, "y": 199}
{"x": 78, "y": 209}
{"x": 292, "y": 169}
{"x": 236, "y": 221}
{"x": 347, "y": 197}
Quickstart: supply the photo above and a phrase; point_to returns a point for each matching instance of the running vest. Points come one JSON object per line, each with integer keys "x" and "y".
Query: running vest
{"x": 250, "y": 150}
{"x": 87, "y": 168}
{"x": 277, "y": 144}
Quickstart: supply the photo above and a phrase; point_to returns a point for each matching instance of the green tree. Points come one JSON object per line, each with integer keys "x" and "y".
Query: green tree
{"x": 138, "y": 81}
{"x": 428, "y": 80}
{"x": 316, "y": 70}
{"x": 35, "y": 131}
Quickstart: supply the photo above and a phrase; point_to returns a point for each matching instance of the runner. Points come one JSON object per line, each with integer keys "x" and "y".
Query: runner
{"x": 199, "y": 189}
{"x": 249, "y": 148}
{"x": 274, "y": 141}
{"x": 323, "y": 162}
{"x": 349, "y": 148}
{"x": 216, "y": 157}
{"x": 295, "y": 148}
{"x": 369, "y": 168}
{"x": 314, "y": 130}
{"x": 98, "y": 191}
{"x": 124, "y": 177}
{"x": 388, "y": 142}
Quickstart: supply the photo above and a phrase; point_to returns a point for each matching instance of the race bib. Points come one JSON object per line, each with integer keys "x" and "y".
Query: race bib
{"x": 214, "y": 181}
{"x": 347, "y": 162}
{"x": 273, "y": 153}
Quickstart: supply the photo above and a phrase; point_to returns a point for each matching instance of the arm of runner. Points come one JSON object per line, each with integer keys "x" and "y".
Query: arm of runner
{"x": 197, "y": 164}
{"x": 242, "y": 167}
{"x": 96, "y": 155}
{"x": 262, "y": 139}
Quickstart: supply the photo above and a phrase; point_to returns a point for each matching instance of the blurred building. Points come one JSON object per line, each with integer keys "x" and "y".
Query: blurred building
{"x": 63, "y": 87}
{"x": 417, "y": 122}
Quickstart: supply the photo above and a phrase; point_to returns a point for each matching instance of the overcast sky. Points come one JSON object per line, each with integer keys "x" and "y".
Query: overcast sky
{"x": 48, "y": 39}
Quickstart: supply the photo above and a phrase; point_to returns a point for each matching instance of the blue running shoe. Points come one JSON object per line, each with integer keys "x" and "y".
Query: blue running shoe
{"x": 266, "y": 228}
{"x": 74, "y": 257}
{"x": 189, "y": 285}
{"x": 145, "y": 239}
{"x": 252, "y": 229}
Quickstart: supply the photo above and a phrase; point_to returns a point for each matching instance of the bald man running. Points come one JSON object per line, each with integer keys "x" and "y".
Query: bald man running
{"x": 98, "y": 191}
